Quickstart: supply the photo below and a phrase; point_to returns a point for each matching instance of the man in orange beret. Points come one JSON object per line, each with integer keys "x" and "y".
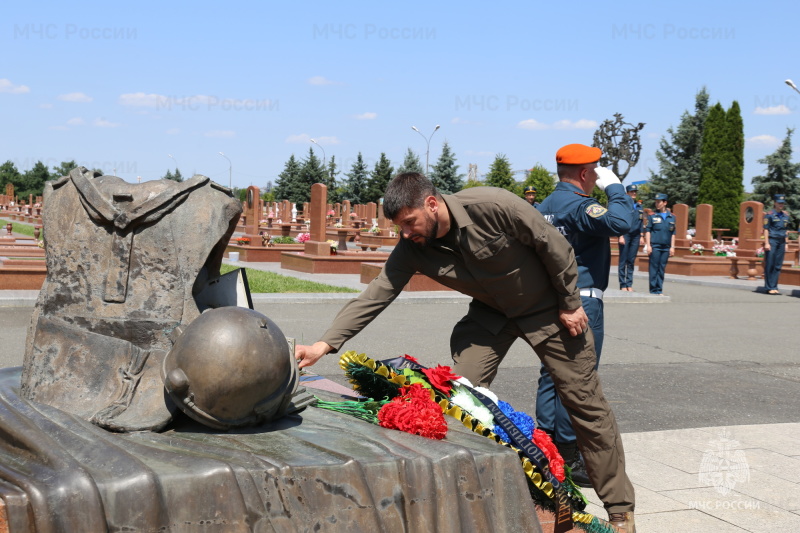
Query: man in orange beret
{"x": 587, "y": 225}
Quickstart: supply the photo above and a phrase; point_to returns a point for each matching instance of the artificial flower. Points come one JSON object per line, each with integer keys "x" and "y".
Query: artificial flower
{"x": 440, "y": 377}
{"x": 545, "y": 443}
{"x": 469, "y": 403}
{"x": 413, "y": 411}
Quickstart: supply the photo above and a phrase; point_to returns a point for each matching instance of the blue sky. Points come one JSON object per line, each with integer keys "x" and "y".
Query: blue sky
{"x": 124, "y": 86}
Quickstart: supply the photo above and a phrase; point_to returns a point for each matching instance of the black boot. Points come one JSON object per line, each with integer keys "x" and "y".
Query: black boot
{"x": 574, "y": 460}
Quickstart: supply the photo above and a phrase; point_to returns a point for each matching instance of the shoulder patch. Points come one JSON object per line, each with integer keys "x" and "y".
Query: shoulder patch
{"x": 596, "y": 210}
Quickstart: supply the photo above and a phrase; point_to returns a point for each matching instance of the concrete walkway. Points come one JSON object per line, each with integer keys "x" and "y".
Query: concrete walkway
{"x": 717, "y": 478}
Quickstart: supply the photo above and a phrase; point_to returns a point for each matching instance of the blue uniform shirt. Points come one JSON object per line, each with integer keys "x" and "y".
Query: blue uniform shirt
{"x": 661, "y": 227}
{"x": 636, "y": 229}
{"x": 776, "y": 222}
{"x": 587, "y": 225}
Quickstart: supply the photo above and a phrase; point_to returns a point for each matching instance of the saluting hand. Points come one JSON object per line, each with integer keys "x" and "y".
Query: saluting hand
{"x": 574, "y": 320}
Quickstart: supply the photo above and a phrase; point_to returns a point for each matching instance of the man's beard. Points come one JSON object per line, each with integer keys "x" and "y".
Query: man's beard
{"x": 431, "y": 229}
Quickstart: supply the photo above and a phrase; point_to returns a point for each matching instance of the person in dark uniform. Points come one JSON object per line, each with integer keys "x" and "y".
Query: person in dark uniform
{"x": 587, "y": 225}
{"x": 522, "y": 275}
{"x": 530, "y": 195}
{"x": 775, "y": 224}
{"x": 629, "y": 244}
{"x": 659, "y": 238}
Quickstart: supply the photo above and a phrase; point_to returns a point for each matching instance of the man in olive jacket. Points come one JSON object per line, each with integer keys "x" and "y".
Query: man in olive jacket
{"x": 521, "y": 273}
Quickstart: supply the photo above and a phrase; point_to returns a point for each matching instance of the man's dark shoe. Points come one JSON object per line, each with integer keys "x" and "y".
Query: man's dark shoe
{"x": 623, "y": 522}
{"x": 574, "y": 460}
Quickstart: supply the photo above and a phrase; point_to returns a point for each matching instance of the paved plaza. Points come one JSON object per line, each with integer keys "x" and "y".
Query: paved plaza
{"x": 705, "y": 384}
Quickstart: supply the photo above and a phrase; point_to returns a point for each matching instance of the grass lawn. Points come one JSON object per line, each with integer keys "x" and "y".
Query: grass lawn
{"x": 269, "y": 282}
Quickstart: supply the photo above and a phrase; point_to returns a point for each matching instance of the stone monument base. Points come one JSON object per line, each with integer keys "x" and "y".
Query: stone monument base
{"x": 317, "y": 470}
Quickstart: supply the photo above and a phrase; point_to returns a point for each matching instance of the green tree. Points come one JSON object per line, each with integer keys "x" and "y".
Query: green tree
{"x": 287, "y": 180}
{"x": 378, "y": 179}
{"x": 679, "y": 157}
{"x": 334, "y": 190}
{"x": 782, "y": 177}
{"x": 411, "y": 163}
{"x": 312, "y": 171}
{"x": 719, "y": 184}
{"x": 9, "y": 174}
{"x": 169, "y": 175}
{"x": 33, "y": 181}
{"x": 64, "y": 168}
{"x": 444, "y": 174}
{"x": 500, "y": 174}
{"x": 178, "y": 176}
{"x": 355, "y": 186}
{"x": 542, "y": 179}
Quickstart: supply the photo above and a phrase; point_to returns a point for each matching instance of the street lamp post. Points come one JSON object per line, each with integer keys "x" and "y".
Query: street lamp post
{"x": 230, "y": 171}
{"x": 428, "y": 143}
{"x": 176, "y": 161}
{"x": 324, "y": 159}
{"x": 791, "y": 84}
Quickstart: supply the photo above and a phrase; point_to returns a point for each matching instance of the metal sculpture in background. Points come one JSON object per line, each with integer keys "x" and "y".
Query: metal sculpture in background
{"x": 619, "y": 141}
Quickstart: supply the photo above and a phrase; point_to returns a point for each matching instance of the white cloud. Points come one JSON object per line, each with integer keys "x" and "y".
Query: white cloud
{"x": 459, "y": 120}
{"x": 533, "y": 124}
{"x": 45, "y": 106}
{"x": 173, "y": 131}
{"x": 220, "y": 134}
{"x": 367, "y": 116}
{"x": 302, "y": 138}
{"x": 103, "y": 123}
{"x": 322, "y": 80}
{"x": 76, "y": 121}
{"x": 767, "y": 141}
{"x": 582, "y": 124}
{"x": 7, "y": 87}
{"x": 142, "y": 99}
{"x": 75, "y": 97}
{"x": 774, "y": 110}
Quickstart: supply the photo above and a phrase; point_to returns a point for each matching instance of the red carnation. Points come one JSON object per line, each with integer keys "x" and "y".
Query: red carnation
{"x": 413, "y": 411}
{"x": 440, "y": 377}
{"x": 545, "y": 443}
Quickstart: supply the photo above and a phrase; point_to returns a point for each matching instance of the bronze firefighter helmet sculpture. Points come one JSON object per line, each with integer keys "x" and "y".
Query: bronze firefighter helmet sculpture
{"x": 231, "y": 367}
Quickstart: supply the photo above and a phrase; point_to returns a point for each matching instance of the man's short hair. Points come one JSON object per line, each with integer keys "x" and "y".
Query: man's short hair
{"x": 407, "y": 190}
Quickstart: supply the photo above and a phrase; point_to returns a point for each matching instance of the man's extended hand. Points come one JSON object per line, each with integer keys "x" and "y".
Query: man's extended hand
{"x": 574, "y": 320}
{"x": 308, "y": 355}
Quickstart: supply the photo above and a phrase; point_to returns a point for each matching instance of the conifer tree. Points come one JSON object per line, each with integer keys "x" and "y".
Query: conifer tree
{"x": 542, "y": 179}
{"x": 331, "y": 172}
{"x": 355, "y": 186}
{"x": 500, "y": 174}
{"x": 311, "y": 172}
{"x": 444, "y": 174}
{"x": 679, "y": 157}
{"x": 782, "y": 177}
{"x": 168, "y": 175}
{"x": 287, "y": 180}
{"x": 411, "y": 163}
{"x": 717, "y": 165}
{"x": 378, "y": 179}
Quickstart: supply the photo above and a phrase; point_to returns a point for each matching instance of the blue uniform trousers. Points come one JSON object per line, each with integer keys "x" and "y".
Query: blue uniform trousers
{"x": 627, "y": 257}
{"x": 551, "y": 415}
{"x": 658, "y": 266}
{"x": 773, "y": 261}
